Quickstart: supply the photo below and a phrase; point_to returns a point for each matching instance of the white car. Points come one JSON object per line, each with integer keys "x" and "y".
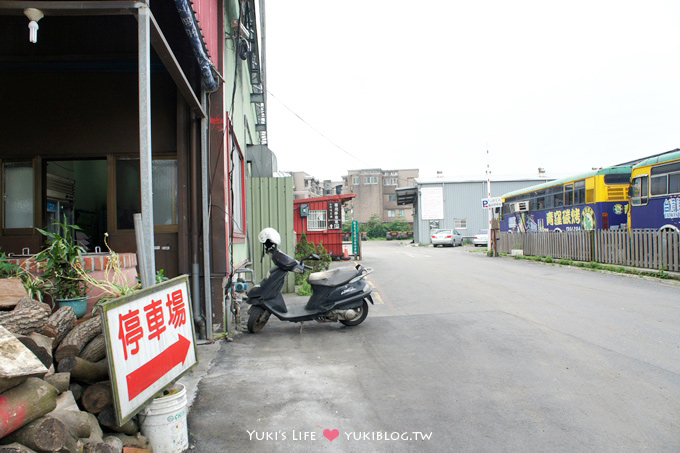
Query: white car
{"x": 446, "y": 237}
{"x": 481, "y": 238}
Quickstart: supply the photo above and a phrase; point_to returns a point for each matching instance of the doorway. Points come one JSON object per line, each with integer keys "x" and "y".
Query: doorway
{"x": 75, "y": 192}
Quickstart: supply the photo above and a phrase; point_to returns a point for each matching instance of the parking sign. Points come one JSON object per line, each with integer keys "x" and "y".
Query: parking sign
{"x": 150, "y": 342}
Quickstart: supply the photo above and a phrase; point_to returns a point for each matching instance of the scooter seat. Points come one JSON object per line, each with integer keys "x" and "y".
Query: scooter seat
{"x": 333, "y": 277}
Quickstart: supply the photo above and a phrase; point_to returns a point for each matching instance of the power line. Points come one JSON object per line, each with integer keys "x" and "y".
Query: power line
{"x": 314, "y": 129}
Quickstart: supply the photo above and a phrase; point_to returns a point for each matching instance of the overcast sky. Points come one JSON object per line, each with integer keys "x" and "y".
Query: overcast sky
{"x": 432, "y": 85}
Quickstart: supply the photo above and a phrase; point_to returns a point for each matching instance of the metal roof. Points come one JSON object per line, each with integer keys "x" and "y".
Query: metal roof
{"x": 619, "y": 170}
{"x": 406, "y": 195}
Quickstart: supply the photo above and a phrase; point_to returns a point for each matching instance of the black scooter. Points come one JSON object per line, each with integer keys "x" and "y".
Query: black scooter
{"x": 339, "y": 294}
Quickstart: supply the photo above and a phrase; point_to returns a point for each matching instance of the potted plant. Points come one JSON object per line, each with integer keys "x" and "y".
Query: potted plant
{"x": 60, "y": 263}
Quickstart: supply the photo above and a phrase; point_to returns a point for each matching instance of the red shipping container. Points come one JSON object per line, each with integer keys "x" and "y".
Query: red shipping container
{"x": 321, "y": 220}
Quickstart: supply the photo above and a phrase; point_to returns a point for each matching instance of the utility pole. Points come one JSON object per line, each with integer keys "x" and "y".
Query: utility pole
{"x": 491, "y": 235}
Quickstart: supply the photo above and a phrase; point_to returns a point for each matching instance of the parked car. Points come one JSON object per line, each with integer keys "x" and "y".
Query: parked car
{"x": 446, "y": 237}
{"x": 481, "y": 238}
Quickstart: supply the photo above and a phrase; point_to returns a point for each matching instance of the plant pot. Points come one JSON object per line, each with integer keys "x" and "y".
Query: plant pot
{"x": 78, "y": 304}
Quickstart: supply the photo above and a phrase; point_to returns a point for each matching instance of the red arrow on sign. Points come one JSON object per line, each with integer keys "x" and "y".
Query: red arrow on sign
{"x": 142, "y": 378}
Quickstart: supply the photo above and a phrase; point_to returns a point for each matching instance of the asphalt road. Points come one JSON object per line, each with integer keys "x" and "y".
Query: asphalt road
{"x": 461, "y": 352}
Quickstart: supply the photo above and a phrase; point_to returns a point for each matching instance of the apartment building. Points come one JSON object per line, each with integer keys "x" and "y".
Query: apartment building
{"x": 375, "y": 191}
{"x": 305, "y": 186}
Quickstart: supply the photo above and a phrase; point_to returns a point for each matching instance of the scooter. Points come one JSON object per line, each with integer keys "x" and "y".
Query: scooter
{"x": 339, "y": 294}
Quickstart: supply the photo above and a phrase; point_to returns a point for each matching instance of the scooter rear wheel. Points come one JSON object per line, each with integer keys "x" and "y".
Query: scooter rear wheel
{"x": 257, "y": 319}
{"x": 363, "y": 312}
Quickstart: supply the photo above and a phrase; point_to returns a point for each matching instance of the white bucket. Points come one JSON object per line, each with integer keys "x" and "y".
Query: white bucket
{"x": 164, "y": 422}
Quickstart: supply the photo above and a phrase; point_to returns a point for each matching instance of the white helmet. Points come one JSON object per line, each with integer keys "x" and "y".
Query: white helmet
{"x": 271, "y": 235}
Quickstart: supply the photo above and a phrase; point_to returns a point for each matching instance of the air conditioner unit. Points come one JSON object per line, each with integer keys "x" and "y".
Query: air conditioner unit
{"x": 520, "y": 206}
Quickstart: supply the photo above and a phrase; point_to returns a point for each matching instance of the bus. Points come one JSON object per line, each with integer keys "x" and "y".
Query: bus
{"x": 593, "y": 200}
{"x": 655, "y": 193}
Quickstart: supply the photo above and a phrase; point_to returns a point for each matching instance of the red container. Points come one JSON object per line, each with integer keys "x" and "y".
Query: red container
{"x": 326, "y": 230}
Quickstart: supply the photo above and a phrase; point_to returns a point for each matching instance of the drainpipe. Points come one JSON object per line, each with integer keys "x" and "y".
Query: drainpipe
{"x": 195, "y": 212}
{"x": 206, "y": 216}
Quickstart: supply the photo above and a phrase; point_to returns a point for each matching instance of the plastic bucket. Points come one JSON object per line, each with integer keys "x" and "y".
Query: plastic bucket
{"x": 164, "y": 422}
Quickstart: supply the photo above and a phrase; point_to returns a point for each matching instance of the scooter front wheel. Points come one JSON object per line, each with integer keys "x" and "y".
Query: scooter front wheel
{"x": 362, "y": 313}
{"x": 257, "y": 319}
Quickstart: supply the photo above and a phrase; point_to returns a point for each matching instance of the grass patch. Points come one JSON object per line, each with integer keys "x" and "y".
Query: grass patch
{"x": 662, "y": 274}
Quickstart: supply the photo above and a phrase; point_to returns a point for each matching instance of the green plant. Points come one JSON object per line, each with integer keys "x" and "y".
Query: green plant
{"x": 303, "y": 249}
{"x": 304, "y": 289}
{"x": 60, "y": 263}
{"x": 375, "y": 228}
{"x": 116, "y": 283}
{"x": 7, "y": 268}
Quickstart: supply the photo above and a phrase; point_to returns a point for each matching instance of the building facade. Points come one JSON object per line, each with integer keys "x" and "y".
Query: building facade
{"x": 448, "y": 203}
{"x": 79, "y": 140}
{"x": 375, "y": 191}
{"x": 305, "y": 185}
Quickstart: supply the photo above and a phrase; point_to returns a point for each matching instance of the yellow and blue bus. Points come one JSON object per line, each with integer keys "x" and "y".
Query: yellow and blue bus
{"x": 593, "y": 200}
{"x": 655, "y": 193}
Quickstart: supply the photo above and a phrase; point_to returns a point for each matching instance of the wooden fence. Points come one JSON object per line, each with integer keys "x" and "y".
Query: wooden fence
{"x": 649, "y": 249}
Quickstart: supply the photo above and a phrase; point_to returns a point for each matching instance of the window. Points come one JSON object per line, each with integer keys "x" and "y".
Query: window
{"x": 665, "y": 179}
{"x": 639, "y": 191}
{"x": 128, "y": 192}
{"x": 393, "y": 197}
{"x": 164, "y": 192}
{"x": 460, "y": 224}
{"x": 356, "y": 180}
{"x": 18, "y": 195}
{"x": 674, "y": 183}
{"x": 558, "y": 197}
{"x": 659, "y": 185}
{"x": 579, "y": 192}
{"x": 316, "y": 221}
{"x": 390, "y": 213}
{"x": 400, "y": 213}
{"x": 370, "y": 180}
{"x": 237, "y": 205}
{"x": 568, "y": 195}
{"x": 390, "y": 181}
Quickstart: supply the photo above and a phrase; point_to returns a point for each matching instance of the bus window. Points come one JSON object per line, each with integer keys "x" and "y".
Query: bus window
{"x": 548, "y": 199}
{"x": 659, "y": 185}
{"x": 579, "y": 192}
{"x": 540, "y": 202}
{"x": 674, "y": 183}
{"x": 639, "y": 191}
{"x": 568, "y": 194}
{"x": 558, "y": 197}
{"x": 618, "y": 178}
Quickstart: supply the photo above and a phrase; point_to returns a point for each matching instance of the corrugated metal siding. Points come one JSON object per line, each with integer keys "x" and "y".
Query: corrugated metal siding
{"x": 463, "y": 200}
{"x": 270, "y": 204}
{"x": 207, "y": 14}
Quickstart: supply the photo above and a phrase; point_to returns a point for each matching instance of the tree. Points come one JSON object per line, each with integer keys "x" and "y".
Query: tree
{"x": 375, "y": 227}
{"x": 304, "y": 248}
{"x": 398, "y": 225}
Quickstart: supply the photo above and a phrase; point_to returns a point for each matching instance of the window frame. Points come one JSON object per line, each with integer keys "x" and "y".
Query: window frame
{"x": 459, "y": 224}
{"x": 316, "y": 218}
{"x": 35, "y": 197}
{"x": 158, "y": 228}
{"x": 642, "y": 198}
{"x": 236, "y": 180}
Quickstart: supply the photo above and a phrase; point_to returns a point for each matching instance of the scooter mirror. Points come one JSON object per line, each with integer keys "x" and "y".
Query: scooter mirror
{"x": 314, "y": 257}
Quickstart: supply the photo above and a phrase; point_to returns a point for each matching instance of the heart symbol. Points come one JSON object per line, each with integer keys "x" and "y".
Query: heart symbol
{"x": 330, "y": 434}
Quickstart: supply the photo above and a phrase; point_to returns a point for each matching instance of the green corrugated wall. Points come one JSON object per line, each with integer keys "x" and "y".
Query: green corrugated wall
{"x": 270, "y": 204}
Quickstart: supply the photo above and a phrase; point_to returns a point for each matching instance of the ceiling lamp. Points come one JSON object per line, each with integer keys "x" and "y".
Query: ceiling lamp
{"x": 34, "y": 15}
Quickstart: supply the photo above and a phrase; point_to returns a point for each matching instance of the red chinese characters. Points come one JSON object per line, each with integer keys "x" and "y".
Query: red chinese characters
{"x": 158, "y": 319}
